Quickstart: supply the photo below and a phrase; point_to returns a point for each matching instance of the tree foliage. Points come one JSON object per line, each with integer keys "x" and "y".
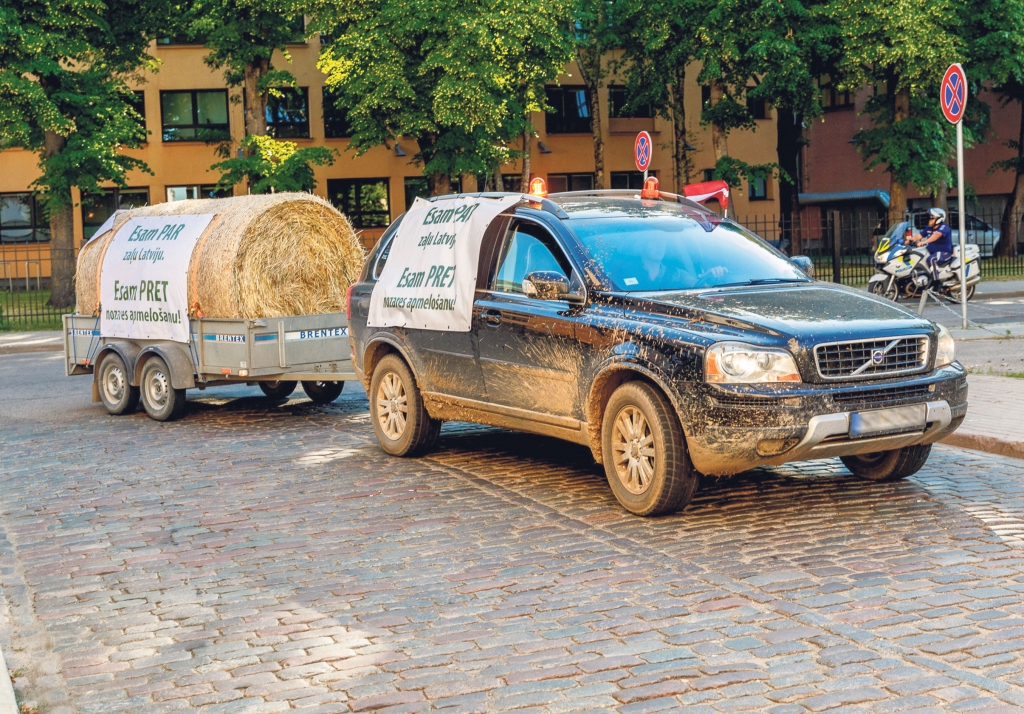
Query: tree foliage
{"x": 270, "y": 165}
{"x": 458, "y": 78}
{"x": 64, "y": 66}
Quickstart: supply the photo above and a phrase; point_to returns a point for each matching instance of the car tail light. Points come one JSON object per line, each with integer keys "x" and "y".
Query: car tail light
{"x": 348, "y": 303}
{"x": 651, "y": 189}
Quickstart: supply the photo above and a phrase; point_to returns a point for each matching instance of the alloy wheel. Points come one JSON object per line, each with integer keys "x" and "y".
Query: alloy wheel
{"x": 633, "y": 450}
{"x": 392, "y": 406}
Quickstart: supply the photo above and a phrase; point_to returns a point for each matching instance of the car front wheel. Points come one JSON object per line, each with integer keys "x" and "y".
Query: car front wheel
{"x": 400, "y": 421}
{"x": 645, "y": 458}
{"x": 892, "y": 465}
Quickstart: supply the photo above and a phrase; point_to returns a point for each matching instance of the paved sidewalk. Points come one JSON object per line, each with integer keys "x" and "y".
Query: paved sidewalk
{"x": 999, "y": 288}
{"x": 19, "y": 342}
{"x": 993, "y": 422}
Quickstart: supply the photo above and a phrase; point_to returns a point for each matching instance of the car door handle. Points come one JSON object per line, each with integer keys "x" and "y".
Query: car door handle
{"x": 492, "y": 317}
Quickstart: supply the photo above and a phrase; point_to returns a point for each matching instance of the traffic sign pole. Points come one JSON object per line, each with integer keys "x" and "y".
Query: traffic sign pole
{"x": 963, "y": 220}
{"x": 953, "y": 100}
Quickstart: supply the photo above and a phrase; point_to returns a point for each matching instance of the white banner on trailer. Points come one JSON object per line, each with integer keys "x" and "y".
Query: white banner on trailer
{"x": 144, "y": 278}
{"x": 430, "y": 277}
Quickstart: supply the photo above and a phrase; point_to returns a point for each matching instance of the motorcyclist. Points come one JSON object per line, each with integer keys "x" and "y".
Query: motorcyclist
{"x": 937, "y": 237}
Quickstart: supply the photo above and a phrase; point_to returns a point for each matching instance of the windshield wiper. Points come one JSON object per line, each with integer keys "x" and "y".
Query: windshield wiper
{"x": 763, "y": 281}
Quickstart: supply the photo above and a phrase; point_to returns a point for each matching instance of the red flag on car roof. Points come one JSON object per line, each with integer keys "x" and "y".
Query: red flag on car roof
{"x": 701, "y": 192}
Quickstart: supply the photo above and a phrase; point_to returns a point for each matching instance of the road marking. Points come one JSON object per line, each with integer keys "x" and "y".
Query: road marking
{"x": 324, "y": 456}
{"x": 1009, "y": 527}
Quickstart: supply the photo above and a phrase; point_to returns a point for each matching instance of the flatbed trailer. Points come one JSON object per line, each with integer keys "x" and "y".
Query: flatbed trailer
{"x": 273, "y": 352}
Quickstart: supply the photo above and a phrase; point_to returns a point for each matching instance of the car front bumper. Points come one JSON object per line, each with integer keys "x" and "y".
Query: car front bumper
{"x": 743, "y": 428}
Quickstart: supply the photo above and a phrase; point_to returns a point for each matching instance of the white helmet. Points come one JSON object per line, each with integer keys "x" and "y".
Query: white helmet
{"x": 938, "y": 214}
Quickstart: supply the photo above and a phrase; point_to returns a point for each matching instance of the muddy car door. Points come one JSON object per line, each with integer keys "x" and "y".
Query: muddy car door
{"x": 528, "y": 351}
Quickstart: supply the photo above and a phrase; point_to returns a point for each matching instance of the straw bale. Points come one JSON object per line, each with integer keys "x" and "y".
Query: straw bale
{"x": 263, "y": 256}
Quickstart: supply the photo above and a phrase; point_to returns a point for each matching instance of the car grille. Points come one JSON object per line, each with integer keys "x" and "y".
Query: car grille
{"x": 876, "y": 397}
{"x": 863, "y": 359}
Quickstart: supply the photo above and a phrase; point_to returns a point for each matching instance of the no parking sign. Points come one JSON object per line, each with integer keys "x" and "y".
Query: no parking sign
{"x": 642, "y": 150}
{"x": 953, "y": 93}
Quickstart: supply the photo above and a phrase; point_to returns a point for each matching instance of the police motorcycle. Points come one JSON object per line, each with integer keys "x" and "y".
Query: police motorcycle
{"x": 903, "y": 270}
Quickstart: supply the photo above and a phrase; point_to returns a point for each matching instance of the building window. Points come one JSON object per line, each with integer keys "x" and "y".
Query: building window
{"x": 513, "y": 182}
{"x": 96, "y": 209}
{"x": 419, "y": 187}
{"x": 22, "y": 219}
{"x": 572, "y": 113}
{"x": 630, "y": 180}
{"x": 181, "y": 38}
{"x": 138, "y": 102}
{"x": 366, "y": 202}
{"x": 288, "y": 115}
{"x": 206, "y": 190}
{"x": 195, "y": 115}
{"x": 831, "y": 98}
{"x": 336, "y": 125}
{"x": 705, "y": 94}
{"x": 617, "y": 99}
{"x": 297, "y": 26}
{"x": 559, "y": 183}
{"x": 758, "y": 108}
{"x": 709, "y": 174}
{"x": 757, "y": 188}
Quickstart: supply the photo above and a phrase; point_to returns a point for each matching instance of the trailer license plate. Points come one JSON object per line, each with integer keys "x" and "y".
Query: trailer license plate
{"x": 888, "y": 420}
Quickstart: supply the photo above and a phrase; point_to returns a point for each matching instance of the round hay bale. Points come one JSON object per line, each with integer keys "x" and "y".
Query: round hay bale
{"x": 262, "y": 256}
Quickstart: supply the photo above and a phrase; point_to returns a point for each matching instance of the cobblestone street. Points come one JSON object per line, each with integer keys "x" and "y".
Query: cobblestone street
{"x": 256, "y": 558}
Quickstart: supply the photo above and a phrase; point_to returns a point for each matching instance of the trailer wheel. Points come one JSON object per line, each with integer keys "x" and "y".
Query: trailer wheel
{"x": 161, "y": 400}
{"x": 322, "y": 392}
{"x": 117, "y": 395}
{"x": 278, "y": 390}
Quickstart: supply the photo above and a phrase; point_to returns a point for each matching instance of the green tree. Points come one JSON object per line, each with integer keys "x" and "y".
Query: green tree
{"x": 902, "y": 48}
{"x": 658, "y": 38}
{"x": 595, "y": 35}
{"x": 271, "y": 165}
{"x": 242, "y": 36}
{"x": 63, "y": 94}
{"x": 996, "y": 34}
{"x": 458, "y": 78}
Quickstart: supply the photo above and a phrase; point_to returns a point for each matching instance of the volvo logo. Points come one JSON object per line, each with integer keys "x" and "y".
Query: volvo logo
{"x": 877, "y": 356}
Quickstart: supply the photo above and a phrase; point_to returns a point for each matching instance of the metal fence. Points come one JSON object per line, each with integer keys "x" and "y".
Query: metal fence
{"x": 842, "y": 243}
{"x": 25, "y": 288}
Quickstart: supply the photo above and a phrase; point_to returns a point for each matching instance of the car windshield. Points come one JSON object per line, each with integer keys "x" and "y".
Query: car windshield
{"x": 674, "y": 252}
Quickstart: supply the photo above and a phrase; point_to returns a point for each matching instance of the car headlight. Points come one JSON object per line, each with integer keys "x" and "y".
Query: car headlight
{"x": 739, "y": 363}
{"x": 945, "y": 354}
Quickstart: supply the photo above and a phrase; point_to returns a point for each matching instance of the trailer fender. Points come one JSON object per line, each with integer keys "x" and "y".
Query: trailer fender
{"x": 177, "y": 359}
{"x": 127, "y": 351}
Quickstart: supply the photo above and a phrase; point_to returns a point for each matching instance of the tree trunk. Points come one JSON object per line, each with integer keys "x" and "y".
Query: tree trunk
{"x": 897, "y": 189}
{"x": 499, "y": 182}
{"x": 942, "y": 196}
{"x": 440, "y": 184}
{"x": 718, "y": 141}
{"x": 589, "y": 61}
{"x": 789, "y": 133}
{"x": 527, "y": 148}
{"x": 1010, "y": 229}
{"x": 62, "y": 237}
{"x": 680, "y": 155}
{"x": 255, "y": 99}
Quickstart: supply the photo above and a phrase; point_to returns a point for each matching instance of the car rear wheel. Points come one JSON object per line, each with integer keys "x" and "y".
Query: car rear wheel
{"x": 117, "y": 395}
{"x": 322, "y": 392}
{"x": 159, "y": 397}
{"x": 400, "y": 421}
{"x": 645, "y": 458}
{"x": 278, "y": 390}
{"x": 892, "y": 465}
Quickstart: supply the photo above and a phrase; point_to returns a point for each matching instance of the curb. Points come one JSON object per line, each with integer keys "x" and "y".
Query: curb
{"x": 8, "y": 704}
{"x": 999, "y": 296}
{"x": 988, "y": 444}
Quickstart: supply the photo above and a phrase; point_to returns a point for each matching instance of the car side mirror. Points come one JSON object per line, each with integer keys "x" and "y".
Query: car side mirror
{"x": 546, "y": 285}
{"x": 804, "y": 263}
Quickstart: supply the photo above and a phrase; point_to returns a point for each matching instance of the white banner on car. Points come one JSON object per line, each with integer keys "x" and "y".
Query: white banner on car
{"x": 430, "y": 277}
{"x": 144, "y": 278}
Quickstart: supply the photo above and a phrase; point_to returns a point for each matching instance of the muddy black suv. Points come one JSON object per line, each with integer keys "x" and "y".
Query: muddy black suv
{"x": 671, "y": 342}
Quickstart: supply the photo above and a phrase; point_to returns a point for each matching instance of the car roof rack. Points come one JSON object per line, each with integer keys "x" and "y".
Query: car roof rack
{"x": 545, "y": 204}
